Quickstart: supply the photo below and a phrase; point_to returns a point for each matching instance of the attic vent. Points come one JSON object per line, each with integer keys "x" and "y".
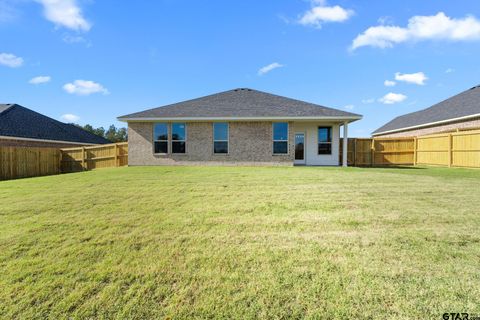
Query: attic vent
{"x": 475, "y": 87}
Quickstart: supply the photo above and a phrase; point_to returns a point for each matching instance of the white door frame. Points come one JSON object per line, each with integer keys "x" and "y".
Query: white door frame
{"x": 304, "y": 161}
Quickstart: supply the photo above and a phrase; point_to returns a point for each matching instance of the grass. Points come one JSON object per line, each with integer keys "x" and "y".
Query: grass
{"x": 244, "y": 243}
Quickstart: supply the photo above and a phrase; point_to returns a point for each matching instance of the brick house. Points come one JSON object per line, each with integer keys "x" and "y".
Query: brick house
{"x": 241, "y": 126}
{"x": 458, "y": 112}
{"x": 22, "y": 127}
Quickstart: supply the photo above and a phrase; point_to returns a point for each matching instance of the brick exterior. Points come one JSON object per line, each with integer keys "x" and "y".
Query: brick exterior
{"x": 35, "y": 144}
{"x": 250, "y": 144}
{"x": 475, "y": 123}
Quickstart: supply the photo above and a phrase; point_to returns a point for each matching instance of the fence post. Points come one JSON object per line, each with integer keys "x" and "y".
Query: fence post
{"x": 354, "y": 152}
{"x": 116, "y": 155}
{"x": 415, "y": 141}
{"x": 450, "y": 152}
{"x": 373, "y": 153}
{"x": 59, "y": 158}
{"x": 83, "y": 159}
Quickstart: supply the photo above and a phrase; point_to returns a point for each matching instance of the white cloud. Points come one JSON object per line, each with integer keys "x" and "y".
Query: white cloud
{"x": 449, "y": 70}
{"x": 349, "y": 107}
{"x": 10, "y": 60}
{"x": 270, "y": 67}
{"x": 381, "y": 36}
{"x": 392, "y": 98}
{"x": 389, "y": 83}
{"x": 415, "y": 78}
{"x": 437, "y": 27}
{"x": 368, "y": 101}
{"x": 65, "y": 13}
{"x": 70, "y": 117}
{"x": 40, "y": 80}
{"x": 320, "y": 13}
{"x": 84, "y": 88}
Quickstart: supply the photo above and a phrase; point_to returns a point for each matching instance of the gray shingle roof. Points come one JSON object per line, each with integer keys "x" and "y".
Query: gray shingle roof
{"x": 20, "y": 122}
{"x": 241, "y": 103}
{"x": 464, "y": 104}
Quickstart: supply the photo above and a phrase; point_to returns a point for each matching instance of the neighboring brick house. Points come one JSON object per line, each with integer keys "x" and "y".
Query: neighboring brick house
{"x": 23, "y": 127}
{"x": 458, "y": 112}
{"x": 241, "y": 126}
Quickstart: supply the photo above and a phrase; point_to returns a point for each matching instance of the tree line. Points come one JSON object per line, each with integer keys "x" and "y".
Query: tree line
{"x": 113, "y": 133}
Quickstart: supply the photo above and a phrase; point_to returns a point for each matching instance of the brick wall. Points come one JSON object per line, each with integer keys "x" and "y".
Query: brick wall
{"x": 475, "y": 123}
{"x": 250, "y": 144}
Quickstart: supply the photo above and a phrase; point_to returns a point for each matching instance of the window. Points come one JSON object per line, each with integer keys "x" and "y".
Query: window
{"x": 178, "y": 138}
{"x": 220, "y": 137}
{"x": 324, "y": 140}
{"x": 280, "y": 138}
{"x": 160, "y": 137}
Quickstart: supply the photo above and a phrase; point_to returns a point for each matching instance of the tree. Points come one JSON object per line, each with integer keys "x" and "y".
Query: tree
{"x": 122, "y": 134}
{"x": 88, "y": 127}
{"x": 100, "y": 131}
{"x": 112, "y": 134}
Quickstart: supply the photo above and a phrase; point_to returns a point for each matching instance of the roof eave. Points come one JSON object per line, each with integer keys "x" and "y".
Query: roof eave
{"x": 375, "y": 133}
{"x": 198, "y": 119}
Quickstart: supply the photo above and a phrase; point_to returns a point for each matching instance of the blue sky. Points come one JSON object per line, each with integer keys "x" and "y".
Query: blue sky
{"x": 96, "y": 60}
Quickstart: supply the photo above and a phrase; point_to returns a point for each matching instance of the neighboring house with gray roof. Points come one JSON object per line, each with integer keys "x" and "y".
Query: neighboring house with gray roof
{"x": 20, "y": 126}
{"x": 458, "y": 112}
{"x": 241, "y": 126}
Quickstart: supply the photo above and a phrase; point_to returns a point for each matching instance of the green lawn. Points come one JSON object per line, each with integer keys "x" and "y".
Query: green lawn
{"x": 245, "y": 243}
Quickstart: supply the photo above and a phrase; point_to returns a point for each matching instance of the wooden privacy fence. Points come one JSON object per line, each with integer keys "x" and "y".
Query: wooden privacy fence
{"x": 380, "y": 151}
{"x": 458, "y": 149}
{"x": 94, "y": 157}
{"x": 455, "y": 149}
{"x": 24, "y": 162}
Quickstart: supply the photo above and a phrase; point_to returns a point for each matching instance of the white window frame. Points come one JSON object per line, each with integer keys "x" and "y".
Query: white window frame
{"x": 287, "y": 141}
{"x": 154, "y": 140}
{"x": 172, "y": 141}
{"x": 328, "y": 142}
{"x": 227, "y": 141}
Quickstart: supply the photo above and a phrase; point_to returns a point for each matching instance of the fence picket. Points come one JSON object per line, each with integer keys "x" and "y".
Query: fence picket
{"x": 24, "y": 162}
{"x": 94, "y": 157}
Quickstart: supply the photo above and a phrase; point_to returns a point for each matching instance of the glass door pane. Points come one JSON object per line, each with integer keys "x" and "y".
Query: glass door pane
{"x": 299, "y": 146}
